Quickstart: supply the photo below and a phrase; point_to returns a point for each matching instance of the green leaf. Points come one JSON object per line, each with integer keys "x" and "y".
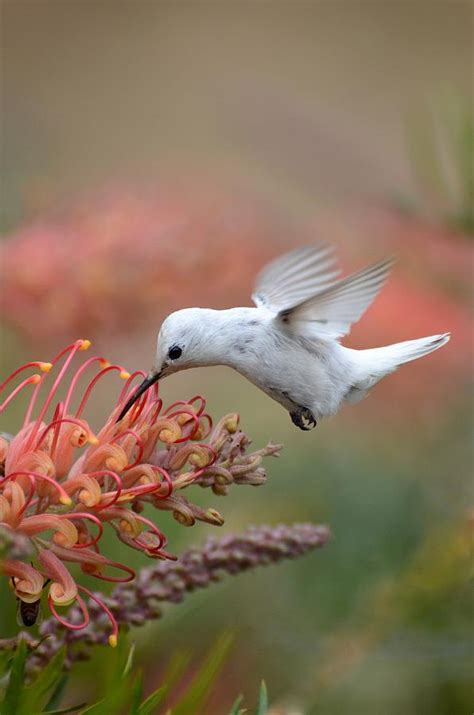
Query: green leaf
{"x": 36, "y": 695}
{"x": 11, "y": 704}
{"x": 94, "y": 709}
{"x": 5, "y": 658}
{"x": 197, "y": 693}
{"x": 129, "y": 662}
{"x": 56, "y": 697}
{"x": 118, "y": 662}
{"x": 62, "y": 711}
{"x": 137, "y": 691}
{"x": 153, "y": 701}
{"x": 116, "y": 702}
{"x": 113, "y": 669}
{"x": 173, "y": 674}
{"x": 111, "y": 665}
{"x": 236, "y": 706}
{"x": 262, "y": 706}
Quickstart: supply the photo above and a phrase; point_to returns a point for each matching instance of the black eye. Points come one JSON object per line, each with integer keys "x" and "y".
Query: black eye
{"x": 175, "y": 352}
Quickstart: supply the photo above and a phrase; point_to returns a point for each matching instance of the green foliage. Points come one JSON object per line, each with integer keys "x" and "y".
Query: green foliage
{"x": 198, "y": 692}
{"x": 236, "y": 710}
{"x": 152, "y": 702}
{"x": 122, "y": 685}
{"x": 13, "y": 695}
{"x": 42, "y": 695}
{"x": 37, "y": 695}
{"x": 262, "y": 704}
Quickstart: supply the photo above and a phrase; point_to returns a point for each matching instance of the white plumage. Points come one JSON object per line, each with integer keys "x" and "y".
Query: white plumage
{"x": 289, "y": 344}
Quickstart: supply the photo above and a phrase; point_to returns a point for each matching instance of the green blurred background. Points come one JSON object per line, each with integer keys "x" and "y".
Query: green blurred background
{"x": 234, "y": 130}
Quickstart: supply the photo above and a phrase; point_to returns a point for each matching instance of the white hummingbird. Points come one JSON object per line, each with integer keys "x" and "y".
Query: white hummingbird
{"x": 288, "y": 345}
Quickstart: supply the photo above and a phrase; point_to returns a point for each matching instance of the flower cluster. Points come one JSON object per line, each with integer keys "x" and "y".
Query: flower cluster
{"x": 137, "y": 603}
{"x": 62, "y": 482}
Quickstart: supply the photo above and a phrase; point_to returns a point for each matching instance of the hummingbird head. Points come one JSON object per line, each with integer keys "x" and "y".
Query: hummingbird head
{"x": 186, "y": 340}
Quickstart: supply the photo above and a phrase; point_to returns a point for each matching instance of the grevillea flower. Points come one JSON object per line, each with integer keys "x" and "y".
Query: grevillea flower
{"x": 62, "y": 482}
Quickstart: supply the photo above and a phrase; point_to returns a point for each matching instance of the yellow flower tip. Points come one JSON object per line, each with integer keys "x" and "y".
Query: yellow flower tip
{"x": 104, "y": 364}
{"x": 126, "y": 497}
{"x": 232, "y": 422}
{"x": 67, "y": 501}
{"x": 85, "y": 344}
{"x": 113, "y": 641}
{"x": 45, "y": 366}
{"x": 92, "y": 439}
{"x": 214, "y": 517}
{"x": 35, "y": 378}
{"x": 124, "y": 374}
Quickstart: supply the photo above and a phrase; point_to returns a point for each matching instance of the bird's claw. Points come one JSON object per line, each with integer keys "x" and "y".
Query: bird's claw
{"x": 303, "y": 418}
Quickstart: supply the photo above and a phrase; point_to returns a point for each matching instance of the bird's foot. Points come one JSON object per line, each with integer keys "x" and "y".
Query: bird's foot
{"x": 303, "y": 418}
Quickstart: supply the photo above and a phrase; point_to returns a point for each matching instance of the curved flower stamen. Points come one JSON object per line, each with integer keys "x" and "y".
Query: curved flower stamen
{"x": 123, "y": 374}
{"x": 154, "y": 411}
{"x": 79, "y": 440}
{"x": 107, "y": 473}
{"x": 124, "y": 394}
{"x": 63, "y": 588}
{"x": 108, "y": 456}
{"x": 69, "y": 624}
{"x": 89, "y": 489}
{"x": 94, "y": 563}
{"x": 31, "y": 380}
{"x": 63, "y": 497}
{"x": 183, "y": 417}
{"x": 166, "y": 430}
{"x": 43, "y": 366}
{"x": 97, "y": 522}
{"x": 65, "y": 533}
{"x": 188, "y": 403}
{"x": 199, "y": 455}
{"x": 153, "y": 529}
{"x": 139, "y": 445}
{"x": 204, "y": 430}
{"x": 12, "y": 504}
{"x": 166, "y": 480}
{"x": 114, "y": 637}
{"x": 72, "y": 349}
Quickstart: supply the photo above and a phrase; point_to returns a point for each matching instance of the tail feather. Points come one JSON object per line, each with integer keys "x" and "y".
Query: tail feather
{"x": 376, "y": 363}
{"x": 400, "y": 353}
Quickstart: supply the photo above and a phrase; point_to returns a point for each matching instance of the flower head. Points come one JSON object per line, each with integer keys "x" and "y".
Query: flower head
{"x": 63, "y": 482}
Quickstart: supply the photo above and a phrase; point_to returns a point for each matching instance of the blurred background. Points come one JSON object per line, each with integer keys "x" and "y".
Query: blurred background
{"x": 156, "y": 154}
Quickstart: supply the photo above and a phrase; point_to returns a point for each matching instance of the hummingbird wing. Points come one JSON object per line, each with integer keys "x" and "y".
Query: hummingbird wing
{"x": 331, "y": 312}
{"x": 295, "y": 277}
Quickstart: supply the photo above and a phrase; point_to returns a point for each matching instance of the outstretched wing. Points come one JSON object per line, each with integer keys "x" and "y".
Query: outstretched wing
{"x": 331, "y": 312}
{"x": 295, "y": 277}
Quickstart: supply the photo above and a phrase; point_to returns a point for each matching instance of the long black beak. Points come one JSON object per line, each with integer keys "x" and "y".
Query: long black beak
{"x": 147, "y": 383}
